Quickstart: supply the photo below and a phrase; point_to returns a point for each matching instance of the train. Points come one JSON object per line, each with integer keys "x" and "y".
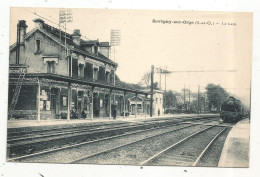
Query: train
{"x": 231, "y": 110}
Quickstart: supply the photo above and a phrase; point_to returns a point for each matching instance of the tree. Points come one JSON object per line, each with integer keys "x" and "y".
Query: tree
{"x": 186, "y": 93}
{"x": 169, "y": 99}
{"x": 216, "y": 96}
{"x": 127, "y": 85}
{"x": 146, "y": 80}
{"x": 155, "y": 85}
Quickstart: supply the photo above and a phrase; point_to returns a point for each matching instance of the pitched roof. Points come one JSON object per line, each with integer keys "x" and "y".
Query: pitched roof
{"x": 154, "y": 90}
{"x": 26, "y": 36}
{"x": 104, "y": 44}
{"x": 134, "y": 98}
{"x": 89, "y": 42}
{"x": 56, "y": 34}
{"x": 101, "y": 55}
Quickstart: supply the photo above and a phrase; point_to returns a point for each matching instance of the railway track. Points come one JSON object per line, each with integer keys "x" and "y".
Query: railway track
{"x": 18, "y": 135}
{"x": 65, "y": 131}
{"x": 23, "y": 134}
{"x": 108, "y": 145}
{"x": 188, "y": 151}
{"x": 27, "y": 145}
{"x": 137, "y": 152}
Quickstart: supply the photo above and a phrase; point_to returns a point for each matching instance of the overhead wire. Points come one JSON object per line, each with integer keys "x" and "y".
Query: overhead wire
{"x": 37, "y": 14}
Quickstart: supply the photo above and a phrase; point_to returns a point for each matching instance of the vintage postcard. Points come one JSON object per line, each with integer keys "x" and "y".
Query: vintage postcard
{"x": 129, "y": 87}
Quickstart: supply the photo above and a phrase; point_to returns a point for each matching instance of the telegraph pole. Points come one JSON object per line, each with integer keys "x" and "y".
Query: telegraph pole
{"x": 160, "y": 78}
{"x": 200, "y": 71}
{"x": 151, "y": 97}
{"x": 162, "y": 71}
{"x": 165, "y": 82}
{"x": 115, "y": 39}
{"x": 198, "y": 109}
{"x": 184, "y": 98}
{"x": 189, "y": 100}
{"x": 65, "y": 16}
{"x": 164, "y": 100}
{"x": 165, "y": 72}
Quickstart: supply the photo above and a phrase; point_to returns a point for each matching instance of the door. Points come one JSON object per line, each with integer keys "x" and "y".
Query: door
{"x": 54, "y": 104}
{"x": 133, "y": 109}
{"x": 96, "y": 104}
{"x": 80, "y": 102}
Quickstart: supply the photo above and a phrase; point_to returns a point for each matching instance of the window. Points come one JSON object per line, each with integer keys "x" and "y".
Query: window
{"x": 101, "y": 103}
{"x": 64, "y": 101}
{"x": 160, "y": 100}
{"x": 96, "y": 50}
{"x": 107, "y": 76}
{"x": 74, "y": 67}
{"x": 51, "y": 67}
{"x": 38, "y": 46}
{"x": 156, "y": 100}
{"x": 45, "y": 100}
{"x": 81, "y": 70}
{"x": 88, "y": 71}
{"x": 95, "y": 74}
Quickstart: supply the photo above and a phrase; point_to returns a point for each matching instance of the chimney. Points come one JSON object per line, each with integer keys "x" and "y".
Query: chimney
{"x": 21, "y": 27}
{"x": 21, "y": 31}
{"x": 38, "y": 23}
{"x": 104, "y": 48}
{"x": 76, "y": 36}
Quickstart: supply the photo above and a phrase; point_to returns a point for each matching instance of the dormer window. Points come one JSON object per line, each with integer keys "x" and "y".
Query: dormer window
{"x": 96, "y": 50}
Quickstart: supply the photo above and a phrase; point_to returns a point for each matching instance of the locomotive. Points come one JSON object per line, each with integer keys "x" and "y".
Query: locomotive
{"x": 231, "y": 110}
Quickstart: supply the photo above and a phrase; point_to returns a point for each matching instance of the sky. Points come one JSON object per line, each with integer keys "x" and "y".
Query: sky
{"x": 187, "y": 46}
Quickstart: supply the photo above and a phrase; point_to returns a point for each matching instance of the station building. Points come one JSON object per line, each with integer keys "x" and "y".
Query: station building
{"x": 60, "y": 73}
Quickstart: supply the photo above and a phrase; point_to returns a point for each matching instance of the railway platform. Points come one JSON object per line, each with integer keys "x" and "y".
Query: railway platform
{"x": 64, "y": 122}
{"x": 235, "y": 152}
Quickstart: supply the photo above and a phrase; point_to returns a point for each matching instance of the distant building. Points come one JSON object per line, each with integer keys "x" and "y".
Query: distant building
{"x": 158, "y": 102}
{"x": 141, "y": 104}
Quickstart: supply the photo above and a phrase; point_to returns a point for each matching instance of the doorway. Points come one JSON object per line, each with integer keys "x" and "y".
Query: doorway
{"x": 54, "y": 102}
{"x": 96, "y": 104}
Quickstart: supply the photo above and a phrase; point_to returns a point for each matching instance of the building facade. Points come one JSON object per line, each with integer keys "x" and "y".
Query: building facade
{"x": 158, "y": 102}
{"x": 54, "y": 74}
{"x": 141, "y": 104}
